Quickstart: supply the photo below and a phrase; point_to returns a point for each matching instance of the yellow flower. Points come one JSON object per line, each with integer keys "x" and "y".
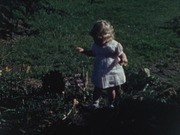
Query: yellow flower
{"x": 8, "y": 69}
{"x": 0, "y": 72}
{"x": 28, "y": 69}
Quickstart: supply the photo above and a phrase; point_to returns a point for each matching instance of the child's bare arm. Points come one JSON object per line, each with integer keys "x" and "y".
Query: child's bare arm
{"x": 79, "y": 49}
{"x": 84, "y": 51}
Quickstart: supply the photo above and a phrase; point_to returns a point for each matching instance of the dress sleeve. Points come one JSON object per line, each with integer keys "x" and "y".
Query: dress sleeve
{"x": 119, "y": 49}
{"x": 89, "y": 52}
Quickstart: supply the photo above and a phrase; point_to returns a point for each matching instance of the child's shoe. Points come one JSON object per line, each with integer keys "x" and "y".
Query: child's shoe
{"x": 111, "y": 106}
{"x": 95, "y": 105}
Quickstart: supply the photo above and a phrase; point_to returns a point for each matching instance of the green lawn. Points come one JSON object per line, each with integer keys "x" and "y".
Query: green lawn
{"x": 137, "y": 25}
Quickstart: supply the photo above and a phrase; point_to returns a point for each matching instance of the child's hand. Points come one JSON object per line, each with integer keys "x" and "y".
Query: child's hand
{"x": 79, "y": 49}
{"x": 123, "y": 59}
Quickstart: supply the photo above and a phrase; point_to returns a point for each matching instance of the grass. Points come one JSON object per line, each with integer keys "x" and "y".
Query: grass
{"x": 137, "y": 26}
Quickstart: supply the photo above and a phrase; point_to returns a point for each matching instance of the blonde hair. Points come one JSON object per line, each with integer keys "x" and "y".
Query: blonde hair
{"x": 102, "y": 29}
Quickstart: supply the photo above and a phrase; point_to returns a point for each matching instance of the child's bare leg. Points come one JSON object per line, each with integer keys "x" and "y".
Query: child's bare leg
{"x": 114, "y": 93}
{"x": 96, "y": 96}
{"x": 111, "y": 96}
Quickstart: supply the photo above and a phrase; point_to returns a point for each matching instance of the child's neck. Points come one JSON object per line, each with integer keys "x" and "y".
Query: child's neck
{"x": 102, "y": 42}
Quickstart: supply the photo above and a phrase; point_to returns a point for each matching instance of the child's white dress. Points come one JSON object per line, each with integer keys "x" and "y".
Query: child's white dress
{"x": 107, "y": 72}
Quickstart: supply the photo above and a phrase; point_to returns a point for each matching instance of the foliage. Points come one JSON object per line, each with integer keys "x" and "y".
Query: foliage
{"x": 31, "y": 106}
{"x": 28, "y": 108}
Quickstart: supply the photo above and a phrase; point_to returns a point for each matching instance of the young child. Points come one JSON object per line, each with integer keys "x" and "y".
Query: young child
{"x": 108, "y": 73}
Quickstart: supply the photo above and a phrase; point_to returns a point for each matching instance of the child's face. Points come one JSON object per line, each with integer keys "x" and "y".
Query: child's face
{"x": 100, "y": 40}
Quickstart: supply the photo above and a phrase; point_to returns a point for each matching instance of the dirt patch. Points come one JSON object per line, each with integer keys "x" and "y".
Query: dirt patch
{"x": 168, "y": 71}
